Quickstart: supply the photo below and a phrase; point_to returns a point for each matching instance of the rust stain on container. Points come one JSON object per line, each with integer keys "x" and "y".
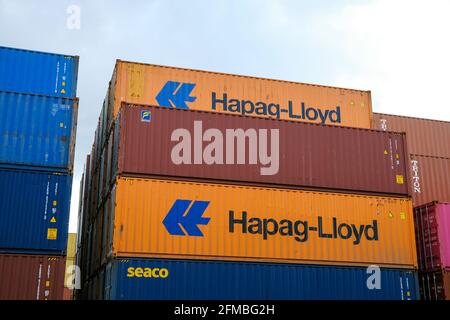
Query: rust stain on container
{"x": 425, "y": 137}
{"x": 31, "y": 277}
{"x": 430, "y": 179}
{"x": 227, "y": 93}
{"x": 160, "y": 218}
{"x": 301, "y": 154}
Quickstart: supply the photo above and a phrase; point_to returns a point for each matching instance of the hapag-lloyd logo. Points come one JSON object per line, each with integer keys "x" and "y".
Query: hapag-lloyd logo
{"x": 185, "y": 216}
{"x": 175, "y": 94}
{"x": 213, "y": 146}
{"x": 271, "y": 109}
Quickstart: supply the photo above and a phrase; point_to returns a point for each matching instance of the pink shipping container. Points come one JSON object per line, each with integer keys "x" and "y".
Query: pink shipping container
{"x": 432, "y": 225}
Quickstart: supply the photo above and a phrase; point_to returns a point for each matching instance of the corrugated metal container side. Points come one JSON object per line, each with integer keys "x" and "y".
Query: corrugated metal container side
{"x": 425, "y": 137}
{"x": 31, "y": 277}
{"x": 227, "y": 93}
{"x": 97, "y": 241}
{"x": 101, "y": 176}
{"x": 94, "y": 200}
{"x": 432, "y": 225}
{"x": 68, "y": 294}
{"x": 38, "y": 72}
{"x": 107, "y": 232}
{"x": 96, "y": 286}
{"x": 435, "y": 285}
{"x": 109, "y": 224}
{"x": 108, "y": 165}
{"x": 34, "y": 209}
{"x": 153, "y": 279}
{"x": 88, "y": 267}
{"x": 302, "y": 154}
{"x": 95, "y": 151}
{"x": 38, "y": 131}
{"x": 430, "y": 179}
{"x": 80, "y": 212}
{"x": 248, "y": 223}
{"x": 104, "y": 121}
{"x": 93, "y": 157}
{"x": 115, "y": 149}
{"x": 83, "y": 209}
{"x": 83, "y": 258}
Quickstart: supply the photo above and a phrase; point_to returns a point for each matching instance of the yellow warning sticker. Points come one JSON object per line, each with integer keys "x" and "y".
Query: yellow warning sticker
{"x": 52, "y": 233}
{"x": 397, "y": 156}
{"x": 53, "y": 220}
{"x": 55, "y": 203}
{"x": 385, "y": 152}
{"x": 402, "y": 215}
{"x": 63, "y": 91}
{"x": 63, "y": 83}
{"x": 399, "y": 178}
{"x": 47, "y": 283}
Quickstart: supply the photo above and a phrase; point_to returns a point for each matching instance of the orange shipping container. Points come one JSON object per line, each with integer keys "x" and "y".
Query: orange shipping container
{"x": 160, "y": 218}
{"x": 211, "y": 91}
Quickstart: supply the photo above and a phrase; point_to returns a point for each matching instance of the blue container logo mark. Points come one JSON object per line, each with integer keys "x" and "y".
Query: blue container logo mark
{"x": 187, "y": 214}
{"x": 146, "y": 116}
{"x": 175, "y": 94}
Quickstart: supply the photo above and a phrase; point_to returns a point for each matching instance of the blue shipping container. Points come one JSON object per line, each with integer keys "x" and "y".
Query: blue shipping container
{"x": 34, "y": 211}
{"x": 29, "y": 71}
{"x": 38, "y": 131}
{"x": 211, "y": 280}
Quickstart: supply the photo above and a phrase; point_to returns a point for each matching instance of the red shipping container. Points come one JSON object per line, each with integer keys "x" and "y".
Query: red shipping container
{"x": 31, "y": 277}
{"x": 435, "y": 285}
{"x": 310, "y": 155}
{"x": 425, "y": 137}
{"x": 430, "y": 179}
{"x": 432, "y": 226}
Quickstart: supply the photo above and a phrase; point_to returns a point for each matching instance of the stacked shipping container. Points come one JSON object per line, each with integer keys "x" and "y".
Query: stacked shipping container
{"x": 38, "y": 120}
{"x": 432, "y": 223}
{"x": 429, "y": 154}
{"x": 164, "y": 205}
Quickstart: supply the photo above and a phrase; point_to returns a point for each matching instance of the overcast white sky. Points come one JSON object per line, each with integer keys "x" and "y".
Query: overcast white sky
{"x": 398, "y": 49}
